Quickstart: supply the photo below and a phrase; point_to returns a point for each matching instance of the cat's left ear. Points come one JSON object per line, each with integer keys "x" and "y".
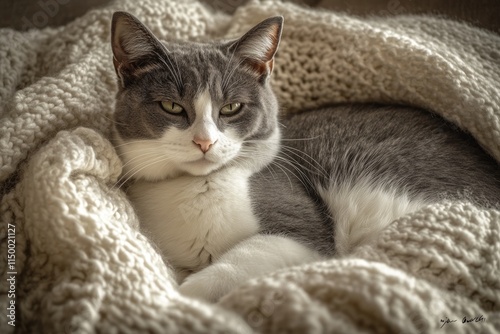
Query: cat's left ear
{"x": 259, "y": 45}
{"x": 134, "y": 46}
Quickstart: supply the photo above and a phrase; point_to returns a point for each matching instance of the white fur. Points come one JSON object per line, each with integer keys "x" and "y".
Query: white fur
{"x": 195, "y": 213}
{"x": 361, "y": 211}
{"x": 176, "y": 153}
{"x": 194, "y": 219}
{"x": 253, "y": 257}
{"x": 204, "y": 127}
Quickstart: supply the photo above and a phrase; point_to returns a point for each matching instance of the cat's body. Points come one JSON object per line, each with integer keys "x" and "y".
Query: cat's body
{"x": 359, "y": 167}
{"x": 223, "y": 199}
{"x": 207, "y": 215}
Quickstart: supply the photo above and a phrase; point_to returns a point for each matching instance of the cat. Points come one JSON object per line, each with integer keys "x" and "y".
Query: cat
{"x": 228, "y": 189}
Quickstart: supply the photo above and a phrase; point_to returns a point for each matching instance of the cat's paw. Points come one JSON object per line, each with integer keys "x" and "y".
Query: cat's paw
{"x": 209, "y": 284}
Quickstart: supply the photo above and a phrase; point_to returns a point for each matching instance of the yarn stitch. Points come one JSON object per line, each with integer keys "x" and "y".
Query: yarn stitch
{"x": 82, "y": 266}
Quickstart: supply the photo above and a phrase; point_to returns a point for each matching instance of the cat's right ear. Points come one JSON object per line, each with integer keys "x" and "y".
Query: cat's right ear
{"x": 134, "y": 46}
{"x": 259, "y": 45}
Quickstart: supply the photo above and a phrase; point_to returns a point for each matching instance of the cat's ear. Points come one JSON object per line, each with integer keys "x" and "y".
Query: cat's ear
{"x": 134, "y": 46}
{"x": 259, "y": 45}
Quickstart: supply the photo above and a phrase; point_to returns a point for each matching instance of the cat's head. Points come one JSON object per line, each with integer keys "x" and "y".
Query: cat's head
{"x": 194, "y": 108}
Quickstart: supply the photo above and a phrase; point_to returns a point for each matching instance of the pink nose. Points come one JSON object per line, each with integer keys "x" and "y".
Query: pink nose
{"x": 204, "y": 144}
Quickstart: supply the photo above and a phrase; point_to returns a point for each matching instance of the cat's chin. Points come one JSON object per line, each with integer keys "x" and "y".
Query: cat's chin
{"x": 200, "y": 167}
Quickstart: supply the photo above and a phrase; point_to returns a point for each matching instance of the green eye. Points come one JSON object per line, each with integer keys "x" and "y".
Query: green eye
{"x": 171, "y": 107}
{"x": 231, "y": 108}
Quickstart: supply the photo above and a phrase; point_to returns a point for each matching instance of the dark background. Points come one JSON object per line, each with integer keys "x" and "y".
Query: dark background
{"x": 25, "y": 14}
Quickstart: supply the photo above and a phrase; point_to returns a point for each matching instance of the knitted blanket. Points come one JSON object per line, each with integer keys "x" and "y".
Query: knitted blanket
{"x": 73, "y": 260}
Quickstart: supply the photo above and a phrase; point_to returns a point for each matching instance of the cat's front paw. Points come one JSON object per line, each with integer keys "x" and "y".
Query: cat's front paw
{"x": 209, "y": 284}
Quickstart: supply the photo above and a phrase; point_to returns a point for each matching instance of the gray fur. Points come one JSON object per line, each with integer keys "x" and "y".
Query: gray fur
{"x": 403, "y": 147}
{"x": 179, "y": 72}
{"x": 399, "y": 147}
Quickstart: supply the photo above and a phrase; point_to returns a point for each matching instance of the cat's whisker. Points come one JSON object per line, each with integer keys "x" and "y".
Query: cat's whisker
{"x": 231, "y": 73}
{"x": 299, "y": 175}
{"x": 149, "y": 162}
{"x": 303, "y": 177}
{"x": 169, "y": 67}
{"x": 284, "y": 170}
{"x": 297, "y": 166}
{"x": 146, "y": 161}
{"x": 140, "y": 157}
{"x": 150, "y": 142}
{"x": 113, "y": 120}
{"x": 296, "y": 152}
{"x": 178, "y": 71}
{"x": 363, "y": 169}
{"x": 126, "y": 151}
{"x": 174, "y": 73}
{"x": 273, "y": 174}
{"x": 288, "y": 151}
{"x": 237, "y": 163}
{"x": 314, "y": 164}
{"x": 135, "y": 141}
{"x": 131, "y": 173}
{"x": 280, "y": 139}
{"x": 233, "y": 87}
{"x": 126, "y": 147}
{"x": 225, "y": 77}
{"x": 223, "y": 84}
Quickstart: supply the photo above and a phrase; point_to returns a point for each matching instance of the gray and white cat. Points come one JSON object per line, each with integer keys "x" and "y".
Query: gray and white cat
{"x": 228, "y": 193}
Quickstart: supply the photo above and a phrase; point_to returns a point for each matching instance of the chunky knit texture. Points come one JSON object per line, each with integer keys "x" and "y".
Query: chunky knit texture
{"x": 83, "y": 267}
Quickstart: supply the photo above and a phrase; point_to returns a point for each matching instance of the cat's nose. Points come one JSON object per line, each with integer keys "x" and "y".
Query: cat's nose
{"x": 204, "y": 144}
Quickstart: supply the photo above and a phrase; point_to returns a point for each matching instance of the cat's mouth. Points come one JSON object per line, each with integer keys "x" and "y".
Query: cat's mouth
{"x": 201, "y": 166}
{"x": 202, "y": 160}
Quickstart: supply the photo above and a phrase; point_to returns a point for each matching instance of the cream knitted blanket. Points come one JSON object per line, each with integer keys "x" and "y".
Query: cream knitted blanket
{"x": 80, "y": 264}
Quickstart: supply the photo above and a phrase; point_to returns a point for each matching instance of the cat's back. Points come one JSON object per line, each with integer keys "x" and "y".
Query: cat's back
{"x": 402, "y": 146}
{"x": 352, "y": 169}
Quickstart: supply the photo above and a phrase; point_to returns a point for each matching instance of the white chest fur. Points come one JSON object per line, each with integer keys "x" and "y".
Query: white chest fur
{"x": 194, "y": 219}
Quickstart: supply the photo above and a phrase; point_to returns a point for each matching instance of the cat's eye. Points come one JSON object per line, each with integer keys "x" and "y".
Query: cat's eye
{"x": 230, "y": 109}
{"x": 171, "y": 107}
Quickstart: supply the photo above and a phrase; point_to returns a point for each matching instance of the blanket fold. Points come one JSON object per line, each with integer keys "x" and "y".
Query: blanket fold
{"x": 81, "y": 264}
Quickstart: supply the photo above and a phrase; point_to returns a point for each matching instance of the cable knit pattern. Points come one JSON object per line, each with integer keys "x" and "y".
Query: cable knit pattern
{"x": 82, "y": 266}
